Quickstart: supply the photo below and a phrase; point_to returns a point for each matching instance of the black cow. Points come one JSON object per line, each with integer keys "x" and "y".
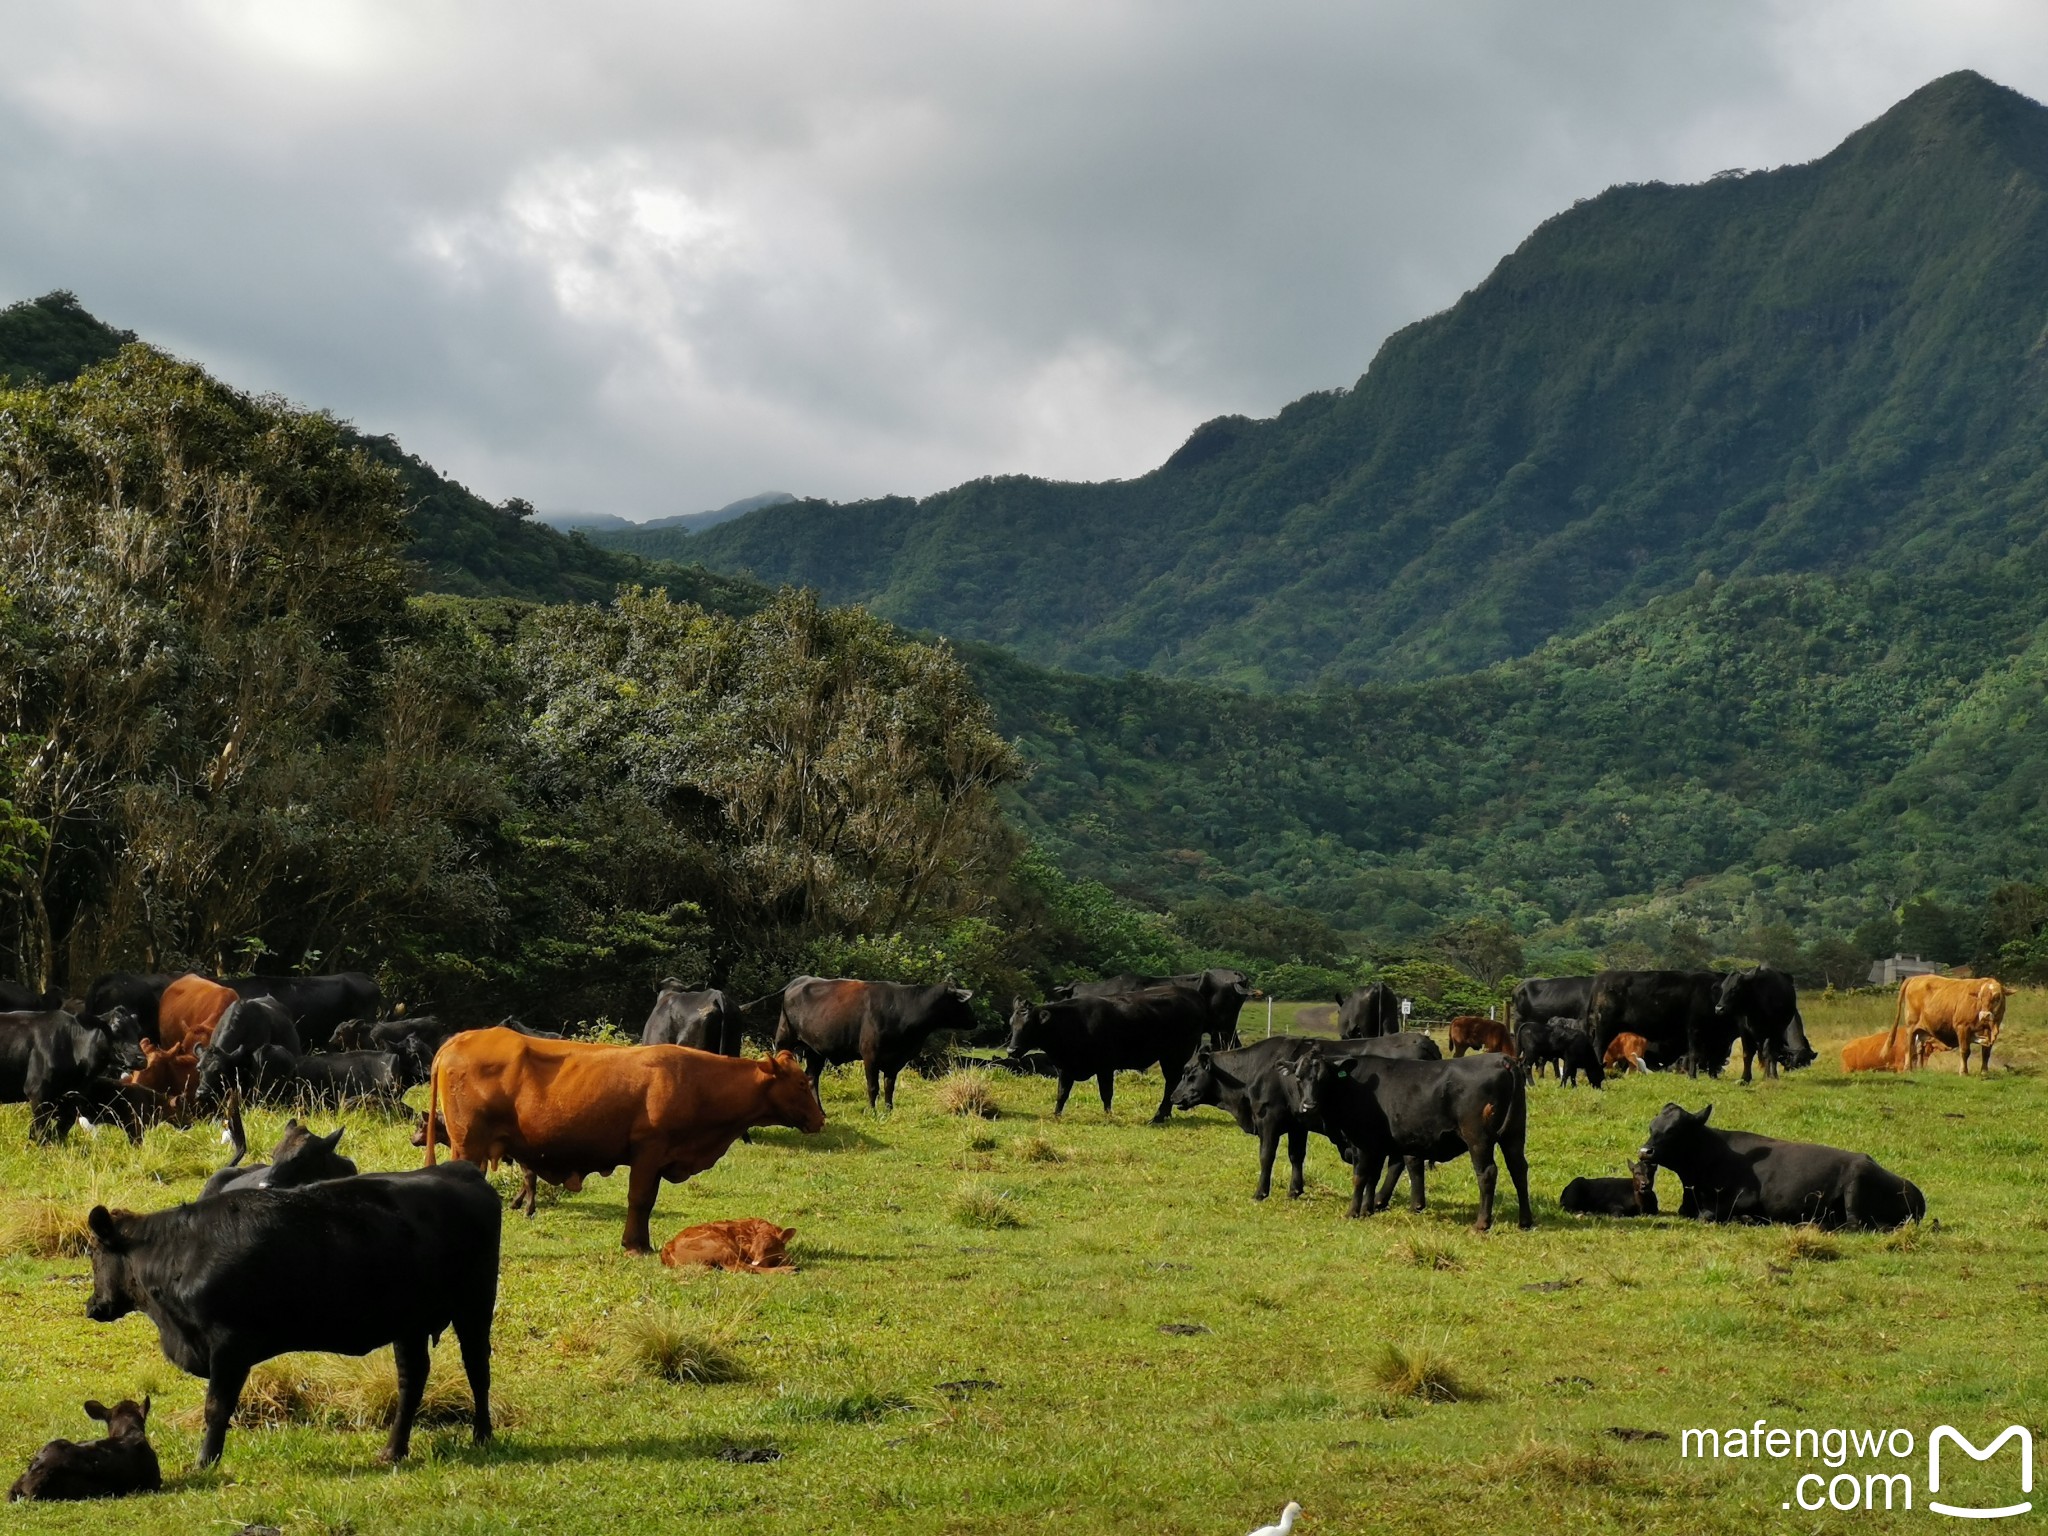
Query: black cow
{"x": 704, "y": 1021}
{"x": 1222, "y": 992}
{"x": 1541, "y": 998}
{"x": 17, "y": 998}
{"x": 1764, "y": 1003}
{"x": 1672, "y": 1010}
{"x": 122, "y": 1463}
{"x": 253, "y": 1023}
{"x": 881, "y": 1024}
{"x": 1390, "y": 1111}
{"x": 299, "y": 1157}
{"x": 1369, "y": 1012}
{"x": 1099, "y": 1037}
{"x": 1735, "y": 1176}
{"x": 1562, "y": 1043}
{"x": 318, "y": 1004}
{"x": 273, "y": 1075}
{"x": 344, "y": 1266}
{"x": 1244, "y": 1085}
{"x": 49, "y": 1060}
{"x": 137, "y": 992}
{"x": 1635, "y": 1195}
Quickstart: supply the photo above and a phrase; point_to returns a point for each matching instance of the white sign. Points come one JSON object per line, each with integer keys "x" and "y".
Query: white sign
{"x": 1407, "y": 1006}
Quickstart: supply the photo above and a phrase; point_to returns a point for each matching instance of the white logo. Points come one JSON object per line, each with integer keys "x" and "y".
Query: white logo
{"x": 1944, "y": 1431}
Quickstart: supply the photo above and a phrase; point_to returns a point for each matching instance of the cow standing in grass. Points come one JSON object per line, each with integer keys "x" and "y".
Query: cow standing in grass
{"x": 1957, "y": 1011}
{"x": 1099, "y": 1037}
{"x": 880, "y": 1024}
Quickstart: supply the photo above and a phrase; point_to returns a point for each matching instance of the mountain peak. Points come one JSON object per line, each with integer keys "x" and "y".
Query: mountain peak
{"x": 1956, "y": 109}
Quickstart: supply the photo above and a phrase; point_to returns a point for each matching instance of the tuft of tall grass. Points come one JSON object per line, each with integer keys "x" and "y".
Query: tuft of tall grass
{"x": 978, "y": 1205}
{"x": 45, "y": 1229}
{"x": 667, "y": 1348}
{"x": 341, "y": 1392}
{"x": 1420, "y": 1373}
{"x": 1036, "y": 1149}
{"x": 1430, "y": 1253}
{"x": 1809, "y": 1245}
{"x": 969, "y": 1091}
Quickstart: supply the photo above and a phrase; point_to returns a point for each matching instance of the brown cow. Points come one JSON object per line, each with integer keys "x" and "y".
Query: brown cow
{"x": 1469, "y": 1032}
{"x": 190, "y": 1009}
{"x": 174, "y": 1074}
{"x": 751, "y": 1244}
{"x": 568, "y": 1108}
{"x": 1625, "y": 1051}
{"x": 1954, "y": 1010}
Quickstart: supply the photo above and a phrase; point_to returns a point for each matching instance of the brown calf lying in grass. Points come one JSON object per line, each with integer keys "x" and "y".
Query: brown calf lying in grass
{"x": 1469, "y": 1032}
{"x": 1890, "y": 1051}
{"x": 99, "y": 1469}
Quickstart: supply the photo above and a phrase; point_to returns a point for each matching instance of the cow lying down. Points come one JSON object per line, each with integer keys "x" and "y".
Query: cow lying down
{"x": 344, "y": 1266}
{"x": 1735, "y": 1176}
{"x": 751, "y": 1244}
{"x": 123, "y": 1462}
{"x": 1635, "y": 1195}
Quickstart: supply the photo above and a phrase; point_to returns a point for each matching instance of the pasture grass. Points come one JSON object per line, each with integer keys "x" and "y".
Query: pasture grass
{"x": 1150, "y": 1350}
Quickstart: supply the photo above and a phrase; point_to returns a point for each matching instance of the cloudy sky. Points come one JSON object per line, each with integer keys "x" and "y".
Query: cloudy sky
{"x": 649, "y": 258}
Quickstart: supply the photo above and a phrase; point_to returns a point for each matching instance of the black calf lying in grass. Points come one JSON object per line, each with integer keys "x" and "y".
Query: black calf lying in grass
{"x": 99, "y": 1469}
{"x": 1635, "y": 1195}
{"x": 299, "y": 1157}
{"x": 1735, "y": 1176}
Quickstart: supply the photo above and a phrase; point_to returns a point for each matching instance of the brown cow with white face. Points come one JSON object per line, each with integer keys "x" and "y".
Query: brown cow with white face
{"x": 567, "y": 1109}
{"x": 1956, "y": 1010}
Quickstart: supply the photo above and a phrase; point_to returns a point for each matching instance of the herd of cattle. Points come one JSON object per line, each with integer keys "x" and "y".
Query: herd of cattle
{"x": 297, "y": 1253}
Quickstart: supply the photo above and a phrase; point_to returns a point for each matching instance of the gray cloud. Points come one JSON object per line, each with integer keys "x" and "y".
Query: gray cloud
{"x": 647, "y": 258}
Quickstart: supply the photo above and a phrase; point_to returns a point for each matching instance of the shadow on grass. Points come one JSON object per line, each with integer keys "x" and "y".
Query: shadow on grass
{"x": 518, "y": 1450}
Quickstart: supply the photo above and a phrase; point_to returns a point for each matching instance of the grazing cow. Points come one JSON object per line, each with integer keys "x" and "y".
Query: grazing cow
{"x": 189, "y": 1011}
{"x": 1954, "y": 1010}
{"x": 1562, "y": 1043}
{"x": 1369, "y": 1012}
{"x": 1417, "y": 1112}
{"x": 249, "y": 1024}
{"x": 1635, "y": 1195}
{"x": 1625, "y": 1051}
{"x": 299, "y": 1157}
{"x": 565, "y": 1109}
{"x": 1099, "y": 1037}
{"x": 17, "y": 998}
{"x": 318, "y": 1005}
{"x": 49, "y": 1061}
{"x": 704, "y": 1021}
{"x": 880, "y": 1024}
{"x": 1764, "y": 1002}
{"x": 1735, "y": 1176}
{"x": 273, "y": 1075}
{"x": 343, "y": 1266}
{"x": 122, "y": 1463}
{"x": 138, "y": 993}
{"x": 1542, "y": 998}
{"x": 1673, "y": 1010}
{"x": 1222, "y": 994}
{"x": 1242, "y": 1083}
{"x": 1469, "y": 1032}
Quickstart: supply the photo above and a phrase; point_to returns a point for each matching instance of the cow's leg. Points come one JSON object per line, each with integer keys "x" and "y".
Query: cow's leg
{"x": 814, "y": 1067}
{"x": 1269, "y": 1144}
{"x": 1297, "y": 1155}
{"x": 1105, "y": 1084}
{"x": 1984, "y": 1061}
{"x": 1362, "y": 1173}
{"x": 1515, "y": 1154}
{"x": 410, "y": 1354}
{"x": 642, "y": 1187}
{"x": 473, "y": 1333}
{"x": 1059, "y": 1099}
{"x": 1963, "y": 1055}
{"x": 1171, "y": 1071}
{"x": 223, "y": 1391}
{"x": 1748, "y": 1055}
{"x": 889, "y": 1092}
{"x": 1415, "y": 1195}
{"x": 874, "y": 1077}
{"x": 1488, "y": 1175}
{"x": 1383, "y": 1196}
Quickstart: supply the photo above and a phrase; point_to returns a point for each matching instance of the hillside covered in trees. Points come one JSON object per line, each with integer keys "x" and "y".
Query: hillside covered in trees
{"x": 1830, "y": 368}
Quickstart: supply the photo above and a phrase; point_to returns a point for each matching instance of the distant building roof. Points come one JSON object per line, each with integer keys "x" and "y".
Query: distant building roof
{"x": 1890, "y": 972}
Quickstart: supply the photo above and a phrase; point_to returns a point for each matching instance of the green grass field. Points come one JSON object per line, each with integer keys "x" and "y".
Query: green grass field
{"x": 925, "y": 1374}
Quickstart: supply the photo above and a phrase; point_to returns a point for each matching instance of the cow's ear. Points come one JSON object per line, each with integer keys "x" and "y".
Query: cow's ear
{"x": 95, "y": 1409}
{"x": 965, "y": 994}
{"x": 331, "y": 1142}
{"x": 100, "y": 1222}
{"x": 146, "y": 1400}
{"x": 1701, "y": 1117}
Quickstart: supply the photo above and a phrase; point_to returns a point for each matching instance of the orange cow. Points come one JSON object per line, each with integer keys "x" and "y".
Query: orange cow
{"x": 1625, "y": 1051}
{"x": 751, "y": 1244}
{"x": 565, "y": 1109}
{"x": 1954, "y": 1010}
{"x": 1881, "y": 1052}
{"x": 191, "y": 1007}
{"x": 174, "y": 1074}
{"x": 1469, "y": 1032}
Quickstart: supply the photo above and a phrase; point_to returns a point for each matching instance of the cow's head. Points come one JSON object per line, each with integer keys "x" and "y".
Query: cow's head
{"x": 1197, "y": 1085}
{"x": 1305, "y": 1080}
{"x": 1028, "y": 1028}
{"x": 790, "y": 1099}
{"x": 1732, "y": 990}
{"x": 1644, "y": 1176}
{"x": 111, "y": 1233}
{"x": 300, "y": 1157}
{"x": 1673, "y": 1131}
{"x": 218, "y": 1072}
{"x": 127, "y": 1419}
{"x": 122, "y": 1025}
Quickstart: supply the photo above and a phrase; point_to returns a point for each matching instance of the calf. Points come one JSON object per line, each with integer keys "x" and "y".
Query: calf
{"x": 1889, "y": 1050}
{"x": 1635, "y": 1195}
{"x": 174, "y": 1074}
{"x": 1562, "y": 1043}
{"x": 1469, "y": 1032}
{"x": 251, "y": 1023}
{"x": 299, "y": 1157}
{"x": 123, "y": 1462}
{"x": 345, "y": 1266}
{"x": 1735, "y": 1176}
{"x": 1417, "y": 1111}
{"x": 1625, "y": 1051}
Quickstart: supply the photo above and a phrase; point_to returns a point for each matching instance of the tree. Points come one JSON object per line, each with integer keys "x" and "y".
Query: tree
{"x": 1484, "y": 948}
{"x": 1933, "y": 931}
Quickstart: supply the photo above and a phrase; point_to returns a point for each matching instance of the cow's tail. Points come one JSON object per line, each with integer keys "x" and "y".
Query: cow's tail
{"x": 237, "y": 1137}
{"x": 1891, "y": 1041}
{"x": 433, "y": 1105}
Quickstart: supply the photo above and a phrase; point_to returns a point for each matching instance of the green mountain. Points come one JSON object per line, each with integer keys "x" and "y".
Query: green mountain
{"x": 1833, "y": 367}
{"x": 463, "y": 543}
